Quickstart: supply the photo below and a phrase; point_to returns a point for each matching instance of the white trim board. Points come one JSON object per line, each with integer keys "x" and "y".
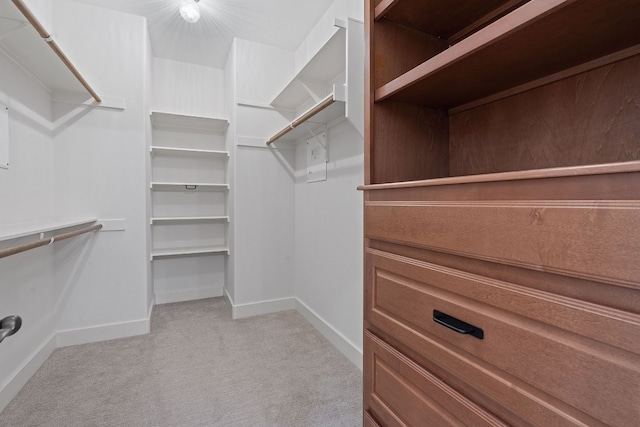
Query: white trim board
{"x": 26, "y": 371}
{"x": 189, "y": 294}
{"x": 106, "y": 332}
{"x": 239, "y": 311}
{"x": 339, "y": 341}
{"x": 343, "y": 344}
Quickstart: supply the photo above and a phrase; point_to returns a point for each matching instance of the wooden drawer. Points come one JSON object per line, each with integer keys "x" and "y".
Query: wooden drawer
{"x": 581, "y": 227}
{"x": 369, "y": 421}
{"x": 400, "y": 393}
{"x": 547, "y": 359}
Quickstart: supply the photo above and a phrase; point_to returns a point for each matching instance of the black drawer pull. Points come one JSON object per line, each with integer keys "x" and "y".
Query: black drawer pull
{"x": 457, "y": 325}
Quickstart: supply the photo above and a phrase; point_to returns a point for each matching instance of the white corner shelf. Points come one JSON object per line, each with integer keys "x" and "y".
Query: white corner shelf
{"x": 331, "y": 82}
{"x": 24, "y": 40}
{"x": 188, "y": 123}
{"x": 321, "y": 70}
{"x": 315, "y": 119}
{"x": 181, "y": 252}
{"x": 182, "y": 186}
{"x": 24, "y": 229}
{"x": 177, "y": 151}
{"x": 188, "y": 219}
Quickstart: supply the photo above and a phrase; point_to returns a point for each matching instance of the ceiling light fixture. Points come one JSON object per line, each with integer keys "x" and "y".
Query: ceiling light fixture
{"x": 190, "y": 11}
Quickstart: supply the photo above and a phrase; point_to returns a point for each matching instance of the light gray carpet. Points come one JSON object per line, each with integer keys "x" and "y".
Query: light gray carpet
{"x": 197, "y": 367}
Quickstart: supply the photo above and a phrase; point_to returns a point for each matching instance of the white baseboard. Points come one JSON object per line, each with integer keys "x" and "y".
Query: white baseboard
{"x": 342, "y": 343}
{"x": 239, "y": 311}
{"x": 104, "y": 332}
{"x": 189, "y": 294}
{"x": 26, "y": 371}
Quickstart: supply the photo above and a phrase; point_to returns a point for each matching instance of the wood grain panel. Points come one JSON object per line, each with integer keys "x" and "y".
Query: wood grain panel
{"x": 620, "y": 181}
{"x": 402, "y": 393}
{"x": 546, "y": 365}
{"x": 559, "y": 34}
{"x": 586, "y": 119}
{"x": 389, "y": 38}
{"x": 601, "y": 294}
{"x": 369, "y": 421}
{"x": 595, "y": 240}
{"x": 443, "y": 19}
{"x": 616, "y": 328}
{"x": 409, "y": 143}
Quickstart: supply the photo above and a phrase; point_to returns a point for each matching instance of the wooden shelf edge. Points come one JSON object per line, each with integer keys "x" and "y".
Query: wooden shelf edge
{"x": 383, "y": 7}
{"x": 601, "y": 169}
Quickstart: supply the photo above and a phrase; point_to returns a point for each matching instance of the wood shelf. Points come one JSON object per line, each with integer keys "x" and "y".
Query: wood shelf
{"x": 188, "y": 219}
{"x": 562, "y": 33}
{"x": 179, "y": 252}
{"x": 180, "y": 186}
{"x": 600, "y": 169}
{"x": 446, "y": 20}
{"x": 185, "y": 122}
{"x": 177, "y": 151}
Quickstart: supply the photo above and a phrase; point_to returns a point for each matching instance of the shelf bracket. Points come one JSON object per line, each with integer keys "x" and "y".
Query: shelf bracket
{"x": 324, "y": 129}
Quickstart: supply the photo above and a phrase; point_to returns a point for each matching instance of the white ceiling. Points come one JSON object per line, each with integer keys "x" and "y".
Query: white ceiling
{"x": 282, "y": 23}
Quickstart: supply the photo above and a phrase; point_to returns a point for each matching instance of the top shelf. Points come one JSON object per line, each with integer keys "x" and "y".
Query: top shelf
{"x": 186, "y": 122}
{"x": 321, "y": 70}
{"x": 558, "y": 35}
{"x": 443, "y": 19}
{"x": 24, "y": 40}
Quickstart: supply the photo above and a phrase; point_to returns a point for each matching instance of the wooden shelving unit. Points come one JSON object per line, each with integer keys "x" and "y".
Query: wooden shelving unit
{"x": 502, "y": 171}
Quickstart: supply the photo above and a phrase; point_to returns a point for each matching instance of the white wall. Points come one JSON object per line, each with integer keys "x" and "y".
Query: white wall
{"x": 188, "y": 89}
{"x": 263, "y": 184}
{"x": 27, "y": 285}
{"x": 70, "y": 161}
{"x": 328, "y": 235}
{"x": 295, "y": 240}
{"x": 99, "y": 160}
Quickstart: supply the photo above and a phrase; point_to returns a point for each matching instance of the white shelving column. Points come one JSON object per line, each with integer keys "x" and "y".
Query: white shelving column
{"x": 189, "y": 206}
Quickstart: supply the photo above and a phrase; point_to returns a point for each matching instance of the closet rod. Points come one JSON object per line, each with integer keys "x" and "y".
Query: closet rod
{"x": 54, "y": 46}
{"x": 44, "y": 242}
{"x": 330, "y": 99}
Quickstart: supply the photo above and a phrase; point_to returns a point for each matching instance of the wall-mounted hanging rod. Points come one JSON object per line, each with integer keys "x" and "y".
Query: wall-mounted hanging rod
{"x": 324, "y": 103}
{"x": 54, "y": 46}
{"x": 44, "y": 242}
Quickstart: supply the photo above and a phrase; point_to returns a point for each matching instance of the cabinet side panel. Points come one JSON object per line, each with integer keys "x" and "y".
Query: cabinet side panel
{"x": 409, "y": 143}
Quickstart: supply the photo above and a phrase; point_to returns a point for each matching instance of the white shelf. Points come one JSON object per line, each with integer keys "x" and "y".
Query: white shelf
{"x": 321, "y": 70}
{"x": 183, "y": 219}
{"x": 182, "y": 186}
{"x": 186, "y": 122}
{"x": 315, "y": 119}
{"x": 22, "y": 43}
{"x": 177, "y": 151}
{"x": 174, "y": 252}
{"x": 15, "y": 231}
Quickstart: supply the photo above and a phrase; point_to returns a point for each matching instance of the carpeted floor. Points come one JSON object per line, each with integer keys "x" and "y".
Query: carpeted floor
{"x": 197, "y": 367}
